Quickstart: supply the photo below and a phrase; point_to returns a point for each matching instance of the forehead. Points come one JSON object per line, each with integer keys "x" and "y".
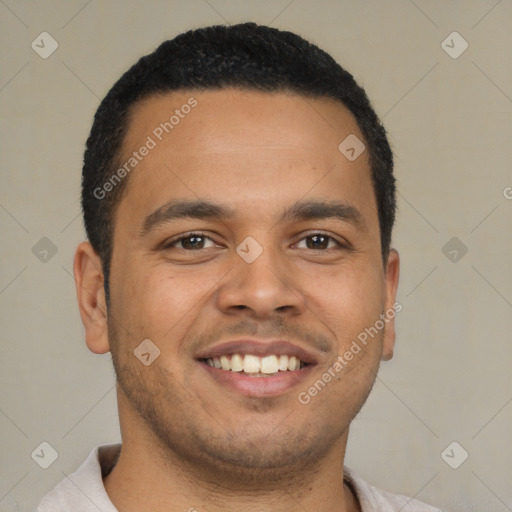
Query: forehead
{"x": 236, "y": 116}
{"x": 244, "y": 148}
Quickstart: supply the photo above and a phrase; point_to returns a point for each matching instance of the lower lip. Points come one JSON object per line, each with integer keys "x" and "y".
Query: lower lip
{"x": 258, "y": 386}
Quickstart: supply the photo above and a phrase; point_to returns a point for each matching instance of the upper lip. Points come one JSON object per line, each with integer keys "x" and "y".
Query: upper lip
{"x": 258, "y": 348}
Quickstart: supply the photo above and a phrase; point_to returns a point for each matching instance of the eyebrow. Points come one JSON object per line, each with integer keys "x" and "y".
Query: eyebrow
{"x": 301, "y": 210}
{"x": 185, "y": 209}
{"x": 319, "y": 209}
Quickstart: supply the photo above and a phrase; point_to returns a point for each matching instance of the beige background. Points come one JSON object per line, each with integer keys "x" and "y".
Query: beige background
{"x": 450, "y": 126}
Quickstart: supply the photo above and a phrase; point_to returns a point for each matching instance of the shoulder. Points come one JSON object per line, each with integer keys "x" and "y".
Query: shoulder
{"x": 373, "y": 499}
{"x": 82, "y": 490}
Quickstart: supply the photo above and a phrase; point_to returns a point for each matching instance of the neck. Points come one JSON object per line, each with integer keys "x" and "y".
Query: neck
{"x": 148, "y": 476}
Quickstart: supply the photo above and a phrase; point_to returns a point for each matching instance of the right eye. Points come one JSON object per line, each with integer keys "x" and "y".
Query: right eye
{"x": 190, "y": 242}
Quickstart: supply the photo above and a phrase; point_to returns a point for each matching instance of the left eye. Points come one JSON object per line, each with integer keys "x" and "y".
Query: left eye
{"x": 193, "y": 241}
{"x": 319, "y": 241}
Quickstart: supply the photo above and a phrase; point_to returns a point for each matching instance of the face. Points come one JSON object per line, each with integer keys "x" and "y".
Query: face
{"x": 245, "y": 239}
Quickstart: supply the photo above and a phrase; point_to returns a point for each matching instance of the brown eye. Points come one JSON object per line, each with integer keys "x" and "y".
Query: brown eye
{"x": 319, "y": 241}
{"x": 192, "y": 242}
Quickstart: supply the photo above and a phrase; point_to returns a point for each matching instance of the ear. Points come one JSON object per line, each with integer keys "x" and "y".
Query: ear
{"x": 91, "y": 297}
{"x": 391, "y": 277}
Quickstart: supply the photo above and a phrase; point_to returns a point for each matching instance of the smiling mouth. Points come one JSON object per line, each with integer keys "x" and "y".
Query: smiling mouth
{"x": 254, "y": 366}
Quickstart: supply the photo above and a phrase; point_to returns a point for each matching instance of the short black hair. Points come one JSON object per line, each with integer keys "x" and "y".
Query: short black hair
{"x": 244, "y": 56}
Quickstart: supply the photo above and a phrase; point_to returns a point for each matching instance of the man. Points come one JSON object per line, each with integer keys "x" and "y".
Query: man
{"x": 238, "y": 198}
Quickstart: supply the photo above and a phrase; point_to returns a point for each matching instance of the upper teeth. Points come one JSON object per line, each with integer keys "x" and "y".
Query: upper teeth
{"x": 254, "y": 364}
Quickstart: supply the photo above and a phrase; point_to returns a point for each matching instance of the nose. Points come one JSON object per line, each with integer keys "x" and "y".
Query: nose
{"x": 261, "y": 288}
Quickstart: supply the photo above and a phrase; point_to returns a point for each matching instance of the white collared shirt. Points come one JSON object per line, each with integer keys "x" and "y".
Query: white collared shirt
{"x": 83, "y": 490}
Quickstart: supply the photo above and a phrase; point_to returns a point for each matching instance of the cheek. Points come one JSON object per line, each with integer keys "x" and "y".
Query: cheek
{"x": 163, "y": 303}
{"x": 348, "y": 301}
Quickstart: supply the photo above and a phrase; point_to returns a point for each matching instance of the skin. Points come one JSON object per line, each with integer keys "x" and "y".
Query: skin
{"x": 187, "y": 440}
